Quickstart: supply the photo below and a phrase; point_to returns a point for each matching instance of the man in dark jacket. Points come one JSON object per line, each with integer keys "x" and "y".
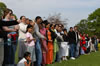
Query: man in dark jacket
{"x": 72, "y": 42}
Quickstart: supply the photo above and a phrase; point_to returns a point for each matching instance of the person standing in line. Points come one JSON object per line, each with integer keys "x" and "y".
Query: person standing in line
{"x": 59, "y": 40}
{"x": 84, "y": 43}
{"x": 77, "y": 41}
{"x": 30, "y": 43}
{"x": 49, "y": 56}
{"x": 72, "y": 43}
{"x": 38, "y": 36}
{"x": 93, "y": 44}
{"x": 43, "y": 43}
{"x": 65, "y": 46}
{"x": 56, "y": 47}
{"x": 8, "y": 45}
{"x": 2, "y": 35}
{"x": 22, "y": 38}
{"x": 55, "y": 44}
{"x": 96, "y": 43}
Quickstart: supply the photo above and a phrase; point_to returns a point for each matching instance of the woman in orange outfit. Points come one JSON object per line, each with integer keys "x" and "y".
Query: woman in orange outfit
{"x": 49, "y": 58}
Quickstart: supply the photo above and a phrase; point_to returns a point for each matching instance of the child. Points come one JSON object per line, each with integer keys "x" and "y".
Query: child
{"x": 30, "y": 43}
{"x": 26, "y": 61}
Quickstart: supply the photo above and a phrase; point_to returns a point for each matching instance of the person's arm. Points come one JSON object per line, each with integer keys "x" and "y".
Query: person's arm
{"x": 8, "y": 30}
{"x": 23, "y": 28}
{"x": 16, "y": 27}
{"x": 27, "y": 64}
{"x": 37, "y": 32}
{"x": 28, "y": 38}
{"x": 8, "y": 23}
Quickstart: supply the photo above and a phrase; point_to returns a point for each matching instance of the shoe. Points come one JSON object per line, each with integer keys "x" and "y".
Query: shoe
{"x": 72, "y": 58}
{"x": 65, "y": 59}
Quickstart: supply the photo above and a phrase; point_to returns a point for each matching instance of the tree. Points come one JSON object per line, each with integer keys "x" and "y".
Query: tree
{"x": 57, "y": 19}
{"x": 92, "y": 24}
{"x": 2, "y": 8}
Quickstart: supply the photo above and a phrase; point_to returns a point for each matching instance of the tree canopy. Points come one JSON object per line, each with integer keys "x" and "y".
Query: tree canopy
{"x": 91, "y": 25}
{"x": 2, "y": 8}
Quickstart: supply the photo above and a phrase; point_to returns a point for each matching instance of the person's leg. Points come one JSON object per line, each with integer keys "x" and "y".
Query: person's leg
{"x": 54, "y": 56}
{"x": 72, "y": 50}
{"x": 6, "y": 55}
{"x": 19, "y": 50}
{"x": 1, "y": 51}
{"x": 43, "y": 59}
{"x": 38, "y": 53}
{"x": 51, "y": 56}
{"x": 22, "y": 49}
{"x": 59, "y": 52}
{"x": 56, "y": 60}
{"x": 77, "y": 50}
{"x": 13, "y": 50}
{"x": 96, "y": 47}
{"x": 1, "y": 54}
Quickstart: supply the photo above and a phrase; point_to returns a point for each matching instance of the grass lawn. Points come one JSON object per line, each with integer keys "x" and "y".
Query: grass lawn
{"x": 84, "y": 60}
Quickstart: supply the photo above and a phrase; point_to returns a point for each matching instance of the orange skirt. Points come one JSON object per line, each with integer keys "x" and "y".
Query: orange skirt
{"x": 49, "y": 56}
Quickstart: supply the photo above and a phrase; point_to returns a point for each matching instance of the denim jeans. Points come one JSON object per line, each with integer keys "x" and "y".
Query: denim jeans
{"x": 72, "y": 50}
{"x": 76, "y": 50}
{"x": 38, "y": 53}
{"x": 96, "y": 47}
{"x": 12, "y": 53}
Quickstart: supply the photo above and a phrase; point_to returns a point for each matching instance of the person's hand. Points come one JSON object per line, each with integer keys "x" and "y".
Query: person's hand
{"x": 45, "y": 38}
{"x": 9, "y": 36}
{"x": 34, "y": 39}
{"x": 29, "y": 59}
{"x": 17, "y": 27}
{"x": 18, "y": 21}
{"x": 33, "y": 23}
{"x": 50, "y": 40}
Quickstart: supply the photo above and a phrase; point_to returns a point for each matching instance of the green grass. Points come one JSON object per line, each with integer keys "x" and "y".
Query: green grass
{"x": 84, "y": 60}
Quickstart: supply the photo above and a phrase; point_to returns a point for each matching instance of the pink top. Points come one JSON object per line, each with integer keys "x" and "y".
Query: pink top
{"x": 43, "y": 31}
{"x": 29, "y": 35}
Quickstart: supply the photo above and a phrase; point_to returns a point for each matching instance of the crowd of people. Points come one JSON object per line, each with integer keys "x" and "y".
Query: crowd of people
{"x": 40, "y": 42}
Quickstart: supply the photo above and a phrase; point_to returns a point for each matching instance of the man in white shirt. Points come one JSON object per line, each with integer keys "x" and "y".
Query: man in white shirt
{"x": 22, "y": 38}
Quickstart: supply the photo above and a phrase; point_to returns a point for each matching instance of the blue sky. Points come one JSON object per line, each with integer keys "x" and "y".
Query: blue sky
{"x": 73, "y": 10}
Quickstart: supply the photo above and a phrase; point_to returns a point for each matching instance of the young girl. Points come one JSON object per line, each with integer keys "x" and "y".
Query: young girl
{"x": 30, "y": 43}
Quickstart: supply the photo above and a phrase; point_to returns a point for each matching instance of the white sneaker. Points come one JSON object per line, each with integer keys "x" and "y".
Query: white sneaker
{"x": 72, "y": 58}
{"x": 65, "y": 59}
